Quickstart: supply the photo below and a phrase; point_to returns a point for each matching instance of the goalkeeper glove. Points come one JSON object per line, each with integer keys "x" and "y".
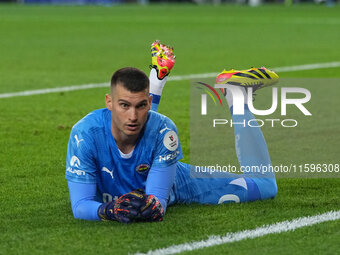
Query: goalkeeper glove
{"x": 124, "y": 209}
{"x": 153, "y": 210}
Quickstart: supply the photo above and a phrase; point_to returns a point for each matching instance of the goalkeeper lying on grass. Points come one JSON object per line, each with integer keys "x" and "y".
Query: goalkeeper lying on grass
{"x": 123, "y": 160}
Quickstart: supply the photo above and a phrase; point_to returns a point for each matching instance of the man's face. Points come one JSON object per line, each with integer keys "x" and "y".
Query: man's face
{"x": 129, "y": 111}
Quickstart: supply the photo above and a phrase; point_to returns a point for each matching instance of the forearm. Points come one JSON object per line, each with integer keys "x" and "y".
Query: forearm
{"x": 160, "y": 182}
{"x": 83, "y": 201}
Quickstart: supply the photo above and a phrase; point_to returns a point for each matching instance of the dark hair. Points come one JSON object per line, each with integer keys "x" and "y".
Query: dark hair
{"x": 131, "y": 78}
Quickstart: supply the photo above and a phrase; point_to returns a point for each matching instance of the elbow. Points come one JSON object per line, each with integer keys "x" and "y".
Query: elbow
{"x": 82, "y": 212}
{"x": 77, "y": 212}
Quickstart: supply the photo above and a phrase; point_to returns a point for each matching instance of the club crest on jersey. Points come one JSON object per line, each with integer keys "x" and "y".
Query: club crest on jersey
{"x": 143, "y": 168}
{"x": 170, "y": 140}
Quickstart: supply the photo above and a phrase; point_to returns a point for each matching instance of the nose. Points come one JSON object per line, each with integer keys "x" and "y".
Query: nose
{"x": 132, "y": 114}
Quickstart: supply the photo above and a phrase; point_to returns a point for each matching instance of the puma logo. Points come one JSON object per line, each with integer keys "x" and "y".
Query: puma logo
{"x": 104, "y": 169}
{"x": 77, "y": 140}
{"x": 164, "y": 129}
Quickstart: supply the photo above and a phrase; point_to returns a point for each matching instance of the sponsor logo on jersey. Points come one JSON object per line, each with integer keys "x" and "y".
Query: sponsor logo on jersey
{"x": 75, "y": 162}
{"x": 168, "y": 157}
{"x": 77, "y": 140}
{"x": 142, "y": 168}
{"x": 75, "y": 171}
{"x": 104, "y": 169}
{"x": 170, "y": 140}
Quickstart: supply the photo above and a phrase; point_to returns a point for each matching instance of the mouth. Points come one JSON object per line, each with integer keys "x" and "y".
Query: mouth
{"x": 132, "y": 127}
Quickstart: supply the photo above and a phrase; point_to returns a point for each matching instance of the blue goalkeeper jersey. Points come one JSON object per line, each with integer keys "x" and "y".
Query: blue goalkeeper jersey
{"x": 93, "y": 156}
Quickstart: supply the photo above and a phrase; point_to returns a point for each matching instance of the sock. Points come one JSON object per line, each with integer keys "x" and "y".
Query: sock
{"x": 250, "y": 145}
{"x": 235, "y": 92}
{"x": 251, "y": 149}
{"x": 156, "y": 88}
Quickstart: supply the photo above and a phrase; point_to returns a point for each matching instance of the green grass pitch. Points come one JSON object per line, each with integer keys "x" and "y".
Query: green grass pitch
{"x": 52, "y": 46}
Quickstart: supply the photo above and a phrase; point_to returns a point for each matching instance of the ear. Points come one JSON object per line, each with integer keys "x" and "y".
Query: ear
{"x": 150, "y": 101}
{"x": 108, "y": 101}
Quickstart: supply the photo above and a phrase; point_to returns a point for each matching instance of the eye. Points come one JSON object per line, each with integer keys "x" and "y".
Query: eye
{"x": 142, "y": 105}
{"x": 124, "y": 105}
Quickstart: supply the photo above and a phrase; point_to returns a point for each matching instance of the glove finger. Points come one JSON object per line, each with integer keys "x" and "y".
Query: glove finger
{"x": 133, "y": 203}
{"x": 123, "y": 219}
{"x": 128, "y": 210}
{"x": 157, "y": 218}
{"x": 136, "y": 203}
{"x": 147, "y": 213}
{"x": 126, "y": 216}
{"x": 136, "y": 194}
{"x": 152, "y": 214}
{"x": 156, "y": 214}
{"x": 149, "y": 204}
{"x": 132, "y": 213}
{"x": 124, "y": 203}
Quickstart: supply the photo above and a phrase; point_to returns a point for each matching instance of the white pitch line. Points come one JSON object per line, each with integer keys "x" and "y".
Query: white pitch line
{"x": 53, "y": 90}
{"x": 172, "y": 78}
{"x": 279, "y": 227}
{"x": 307, "y": 67}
